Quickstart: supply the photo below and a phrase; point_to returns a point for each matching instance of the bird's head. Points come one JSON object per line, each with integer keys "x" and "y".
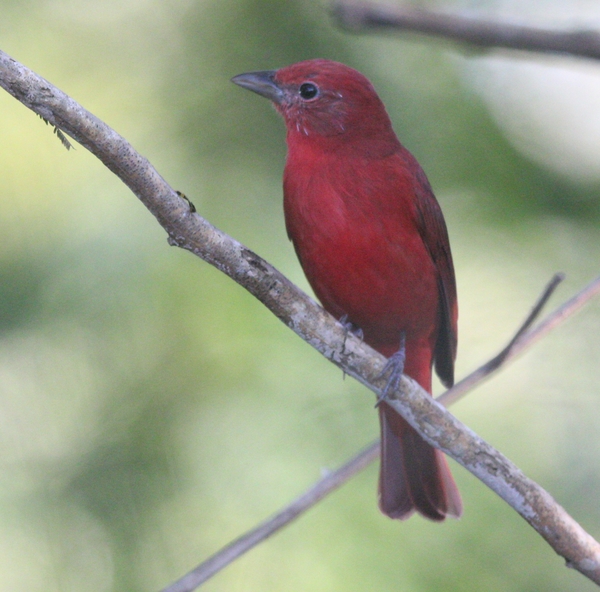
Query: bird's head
{"x": 324, "y": 99}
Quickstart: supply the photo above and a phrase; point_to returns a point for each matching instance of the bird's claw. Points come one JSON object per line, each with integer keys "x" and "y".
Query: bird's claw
{"x": 393, "y": 369}
{"x": 350, "y": 327}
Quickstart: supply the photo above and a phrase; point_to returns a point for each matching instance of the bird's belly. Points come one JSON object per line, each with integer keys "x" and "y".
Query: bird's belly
{"x": 384, "y": 288}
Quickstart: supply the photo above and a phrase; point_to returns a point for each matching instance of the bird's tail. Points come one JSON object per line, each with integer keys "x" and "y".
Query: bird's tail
{"x": 413, "y": 475}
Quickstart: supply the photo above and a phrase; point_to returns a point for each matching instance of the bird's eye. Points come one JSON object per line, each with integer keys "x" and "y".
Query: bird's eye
{"x": 308, "y": 91}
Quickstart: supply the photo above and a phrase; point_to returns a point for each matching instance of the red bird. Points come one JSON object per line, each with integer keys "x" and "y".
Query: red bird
{"x": 373, "y": 244}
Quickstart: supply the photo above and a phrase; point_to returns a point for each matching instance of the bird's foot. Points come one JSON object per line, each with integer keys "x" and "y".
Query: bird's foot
{"x": 393, "y": 369}
{"x": 350, "y": 328}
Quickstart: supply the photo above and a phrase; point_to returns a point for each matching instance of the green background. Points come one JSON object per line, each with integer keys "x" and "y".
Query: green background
{"x": 151, "y": 410}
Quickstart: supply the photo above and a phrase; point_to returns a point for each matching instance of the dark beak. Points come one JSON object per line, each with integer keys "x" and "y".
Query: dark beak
{"x": 262, "y": 83}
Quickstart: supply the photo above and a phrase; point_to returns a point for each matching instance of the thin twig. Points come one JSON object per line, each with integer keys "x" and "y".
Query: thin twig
{"x": 496, "y": 362}
{"x": 525, "y": 340}
{"x": 190, "y": 231}
{"x": 360, "y": 16}
{"x": 522, "y": 339}
{"x": 307, "y": 500}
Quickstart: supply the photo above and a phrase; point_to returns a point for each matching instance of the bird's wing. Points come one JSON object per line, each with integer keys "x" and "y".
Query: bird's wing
{"x": 435, "y": 236}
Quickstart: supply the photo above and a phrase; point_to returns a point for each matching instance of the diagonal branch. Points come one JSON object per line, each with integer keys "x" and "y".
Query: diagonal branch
{"x": 522, "y": 340}
{"x": 190, "y": 231}
{"x": 269, "y": 527}
{"x": 360, "y": 16}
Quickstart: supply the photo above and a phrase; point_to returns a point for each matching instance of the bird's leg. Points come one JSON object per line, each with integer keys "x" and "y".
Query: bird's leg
{"x": 350, "y": 328}
{"x": 393, "y": 369}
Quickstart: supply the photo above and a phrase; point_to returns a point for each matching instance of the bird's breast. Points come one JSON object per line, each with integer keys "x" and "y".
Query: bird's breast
{"x": 354, "y": 228}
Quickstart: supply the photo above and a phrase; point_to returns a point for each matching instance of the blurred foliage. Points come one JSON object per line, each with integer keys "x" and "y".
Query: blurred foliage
{"x": 151, "y": 411}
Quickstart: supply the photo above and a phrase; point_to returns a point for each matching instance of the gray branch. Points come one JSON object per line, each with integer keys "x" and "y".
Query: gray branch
{"x": 361, "y": 16}
{"x": 234, "y": 550}
{"x": 188, "y": 230}
{"x": 522, "y": 340}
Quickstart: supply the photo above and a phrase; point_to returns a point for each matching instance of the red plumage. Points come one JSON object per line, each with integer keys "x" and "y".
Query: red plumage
{"x": 373, "y": 244}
